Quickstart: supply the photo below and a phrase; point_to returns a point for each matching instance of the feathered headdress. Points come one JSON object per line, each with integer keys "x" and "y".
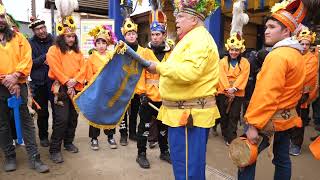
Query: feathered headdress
{"x": 199, "y": 8}
{"x": 66, "y": 23}
{"x": 306, "y": 34}
{"x": 2, "y": 9}
{"x": 290, "y": 13}
{"x": 128, "y": 24}
{"x": 239, "y": 19}
{"x": 103, "y": 32}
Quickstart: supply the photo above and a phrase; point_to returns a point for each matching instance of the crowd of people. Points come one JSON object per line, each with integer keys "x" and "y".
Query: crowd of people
{"x": 191, "y": 88}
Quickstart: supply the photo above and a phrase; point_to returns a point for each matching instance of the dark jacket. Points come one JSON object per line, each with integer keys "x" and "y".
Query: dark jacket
{"x": 40, "y": 47}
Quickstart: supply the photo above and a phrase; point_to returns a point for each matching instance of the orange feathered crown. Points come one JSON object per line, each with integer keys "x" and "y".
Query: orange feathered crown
{"x": 290, "y": 13}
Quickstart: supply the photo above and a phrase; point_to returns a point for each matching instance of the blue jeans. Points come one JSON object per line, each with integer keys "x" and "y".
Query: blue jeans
{"x": 281, "y": 158}
{"x": 316, "y": 111}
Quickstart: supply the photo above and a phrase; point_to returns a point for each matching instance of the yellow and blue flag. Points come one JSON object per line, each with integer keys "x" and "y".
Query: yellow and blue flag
{"x": 104, "y": 100}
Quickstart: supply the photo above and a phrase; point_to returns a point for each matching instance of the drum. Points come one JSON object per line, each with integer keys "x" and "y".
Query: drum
{"x": 242, "y": 152}
{"x": 315, "y": 148}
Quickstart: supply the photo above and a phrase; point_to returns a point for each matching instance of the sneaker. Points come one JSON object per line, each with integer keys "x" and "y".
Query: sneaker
{"x": 226, "y": 143}
{"x": 112, "y": 143}
{"x": 294, "y": 150}
{"x": 71, "y": 148}
{"x": 56, "y": 157}
{"x": 153, "y": 144}
{"x": 10, "y": 163}
{"x": 44, "y": 143}
{"x": 94, "y": 144}
{"x": 37, "y": 164}
{"x": 143, "y": 161}
{"x": 165, "y": 157}
{"x": 124, "y": 140}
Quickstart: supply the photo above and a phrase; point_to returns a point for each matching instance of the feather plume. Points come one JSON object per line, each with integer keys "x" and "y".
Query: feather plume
{"x": 239, "y": 18}
{"x": 66, "y": 7}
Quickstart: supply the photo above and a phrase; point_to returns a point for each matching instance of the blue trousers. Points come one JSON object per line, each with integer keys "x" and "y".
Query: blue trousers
{"x": 188, "y": 148}
{"x": 281, "y": 158}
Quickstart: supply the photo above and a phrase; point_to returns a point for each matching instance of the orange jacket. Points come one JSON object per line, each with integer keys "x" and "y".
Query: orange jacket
{"x": 149, "y": 83}
{"x": 95, "y": 62}
{"x": 236, "y": 77}
{"x": 63, "y": 67}
{"x": 311, "y": 82}
{"x": 278, "y": 87}
{"x": 139, "y": 51}
{"x": 16, "y": 56}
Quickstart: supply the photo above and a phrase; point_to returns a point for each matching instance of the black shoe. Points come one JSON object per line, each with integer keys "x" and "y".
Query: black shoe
{"x": 133, "y": 137}
{"x": 37, "y": 164}
{"x": 153, "y": 144}
{"x": 71, "y": 148}
{"x": 165, "y": 157}
{"x": 143, "y": 161}
{"x": 124, "y": 140}
{"x": 10, "y": 163}
{"x": 44, "y": 143}
{"x": 56, "y": 157}
{"x": 95, "y": 144}
{"x": 112, "y": 143}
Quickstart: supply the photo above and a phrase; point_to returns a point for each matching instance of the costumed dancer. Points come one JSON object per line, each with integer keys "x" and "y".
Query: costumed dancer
{"x": 271, "y": 111}
{"x": 67, "y": 69}
{"x": 148, "y": 86}
{"x": 103, "y": 37}
{"x": 234, "y": 74}
{"x": 310, "y": 89}
{"x": 188, "y": 84}
{"x": 130, "y": 32}
{"x": 16, "y": 64}
{"x": 41, "y": 83}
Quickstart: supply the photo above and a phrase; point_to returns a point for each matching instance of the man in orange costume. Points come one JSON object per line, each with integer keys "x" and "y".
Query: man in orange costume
{"x": 278, "y": 89}
{"x": 16, "y": 63}
{"x": 310, "y": 89}
{"x": 148, "y": 86}
{"x": 67, "y": 67}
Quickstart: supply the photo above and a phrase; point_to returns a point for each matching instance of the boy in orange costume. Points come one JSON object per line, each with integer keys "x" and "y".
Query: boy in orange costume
{"x": 103, "y": 37}
{"x": 278, "y": 89}
{"x": 310, "y": 89}
{"x": 66, "y": 67}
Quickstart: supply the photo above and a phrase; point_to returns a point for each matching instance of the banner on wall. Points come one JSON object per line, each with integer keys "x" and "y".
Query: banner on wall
{"x": 86, "y": 41}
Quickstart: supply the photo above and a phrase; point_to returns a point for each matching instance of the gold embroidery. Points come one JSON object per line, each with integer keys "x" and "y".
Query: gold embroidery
{"x": 131, "y": 69}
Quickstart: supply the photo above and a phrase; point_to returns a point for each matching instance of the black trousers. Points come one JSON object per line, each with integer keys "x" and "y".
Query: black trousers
{"x": 42, "y": 94}
{"x": 94, "y": 133}
{"x": 133, "y": 114}
{"x": 65, "y": 122}
{"x": 297, "y": 134}
{"x": 146, "y": 113}
{"x": 27, "y": 125}
{"x": 229, "y": 121}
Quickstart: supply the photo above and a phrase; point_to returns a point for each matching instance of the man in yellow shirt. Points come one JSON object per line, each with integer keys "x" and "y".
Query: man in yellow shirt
{"x": 188, "y": 84}
{"x": 16, "y": 63}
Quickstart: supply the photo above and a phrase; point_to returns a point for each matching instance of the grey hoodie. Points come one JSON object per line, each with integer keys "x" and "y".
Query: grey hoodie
{"x": 289, "y": 42}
